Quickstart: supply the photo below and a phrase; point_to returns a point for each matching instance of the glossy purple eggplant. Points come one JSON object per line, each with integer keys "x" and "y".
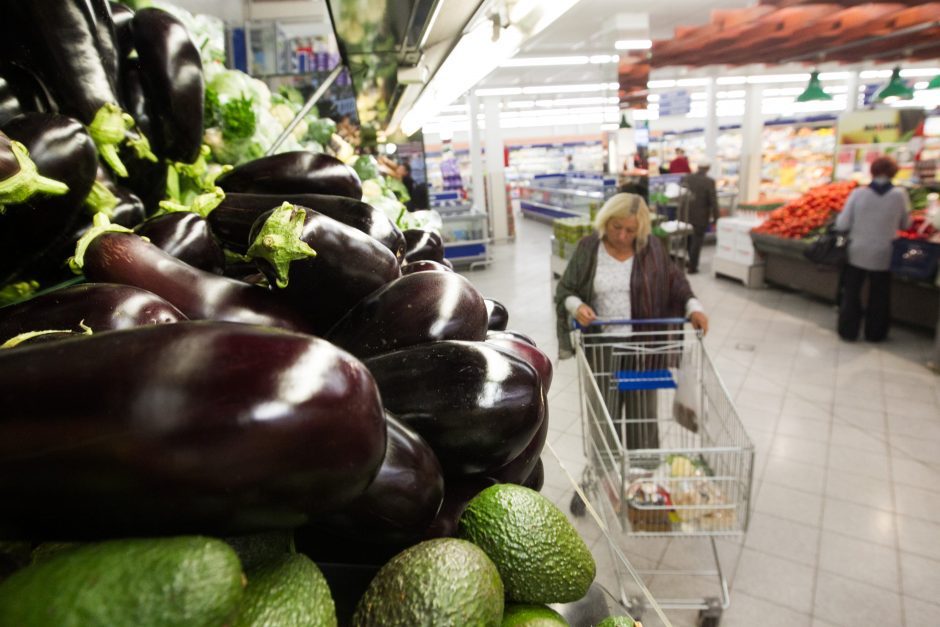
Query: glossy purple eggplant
{"x": 97, "y": 306}
{"x": 477, "y": 406}
{"x": 122, "y": 16}
{"x": 127, "y": 259}
{"x": 536, "y": 479}
{"x": 403, "y": 499}
{"x": 69, "y": 44}
{"x": 415, "y": 309}
{"x": 499, "y": 315}
{"x": 422, "y": 244}
{"x": 424, "y": 265}
{"x": 347, "y": 266}
{"x": 195, "y": 427}
{"x": 171, "y": 74}
{"x": 505, "y": 333}
{"x": 528, "y": 352}
{"x": 297, "y": 172}
{"x": 32, "y": 235}
{"x": 519, "y": 469}
{"x": 458, "y": 492}
{"x": 186, "y": 236}
{"x": 232, "y": 220}
{"x": 21, "y": 92}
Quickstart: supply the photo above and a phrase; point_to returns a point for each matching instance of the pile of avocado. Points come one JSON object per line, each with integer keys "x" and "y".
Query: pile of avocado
{"x": 516, "y": 552}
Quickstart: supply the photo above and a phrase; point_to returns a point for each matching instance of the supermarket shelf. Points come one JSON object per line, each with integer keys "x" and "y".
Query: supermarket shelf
{"x": 546, "y": 213}
{"x": 565, "y": 192}
{"x": 471, "y": 252}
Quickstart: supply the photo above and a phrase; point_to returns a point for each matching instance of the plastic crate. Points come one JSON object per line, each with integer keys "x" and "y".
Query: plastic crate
{"x": 915, "y": 259}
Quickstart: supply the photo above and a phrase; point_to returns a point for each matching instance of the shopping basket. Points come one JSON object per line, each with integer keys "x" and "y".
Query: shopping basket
{"x": 667, "y": 455}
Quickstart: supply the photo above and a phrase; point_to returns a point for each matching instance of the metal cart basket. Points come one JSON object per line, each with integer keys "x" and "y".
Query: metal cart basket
{"x": 667, "y": 455}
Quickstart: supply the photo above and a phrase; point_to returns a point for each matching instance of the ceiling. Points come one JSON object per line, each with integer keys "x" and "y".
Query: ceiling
{"x": 591, "y": 27}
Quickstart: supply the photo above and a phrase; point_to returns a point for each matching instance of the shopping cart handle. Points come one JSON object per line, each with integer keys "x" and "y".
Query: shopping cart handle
{"x": 621, "y": 321}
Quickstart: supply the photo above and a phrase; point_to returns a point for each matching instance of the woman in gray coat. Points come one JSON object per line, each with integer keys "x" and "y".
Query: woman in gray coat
{"x": 872, "y": 216}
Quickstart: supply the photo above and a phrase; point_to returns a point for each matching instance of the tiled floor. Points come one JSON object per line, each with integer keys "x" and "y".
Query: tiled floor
{"x": 845, "y": 526}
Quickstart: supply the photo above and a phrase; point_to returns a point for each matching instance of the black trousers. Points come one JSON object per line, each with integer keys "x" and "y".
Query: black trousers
{"x": 696, "y": 239}
{"x": 877, "y": 310}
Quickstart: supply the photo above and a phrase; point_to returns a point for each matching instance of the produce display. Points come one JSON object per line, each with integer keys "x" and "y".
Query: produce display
{"x": 259, "y": 376}
{"x": 809, "y": 212}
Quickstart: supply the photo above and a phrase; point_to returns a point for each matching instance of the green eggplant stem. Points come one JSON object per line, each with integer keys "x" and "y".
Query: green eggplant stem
{"x": 279, "y": 241}
{"x": 27, "y": 182}
{"x": 100, "y": 199}
{"x": 100, "y": 226}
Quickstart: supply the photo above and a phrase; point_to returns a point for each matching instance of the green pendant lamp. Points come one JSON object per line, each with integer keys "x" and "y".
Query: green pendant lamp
{"x": 934, "y": 82}
{"x": 623, "y": 121}
{"x": 896, "y": 89}
{"x": 814, "y": 90}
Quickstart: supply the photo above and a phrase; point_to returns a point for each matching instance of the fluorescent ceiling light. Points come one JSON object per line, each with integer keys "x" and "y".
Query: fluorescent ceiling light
{"x": 731, "y": 80}
{"x": 653, "y": 98}
{"x": 660, "y": 84}
{"x": 920, "y": 72}
{"x": 834, "y": 76}
{"x": 520, "y": 104}
{"x": 633, "y": 44}
{"x": 600, "y": 59}
{"x": 732, "y": 93}
{"x": 567, "y": 102}
{"x": 568, "y": 89}
{"x": 499, "y": 91}
{"x": 692, "y": 82}
{"x": 766, "y": 79}
{"x": 875, "y": 74}
{"x": 544, "y": 61}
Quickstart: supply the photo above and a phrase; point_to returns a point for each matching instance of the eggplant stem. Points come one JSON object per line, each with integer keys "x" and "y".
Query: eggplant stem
{"x": 279, "y": 241}
{"x": 16, "y": 340}
{"x": 138, "y": 141}
{"x": 100, "y": 199}
{"x": 202, "y": 205}
{"x": 15, "y": 292}
{"x": 100, "y": 226}
{"x": 107, "y": 130}
{"x": 27, "y": 182}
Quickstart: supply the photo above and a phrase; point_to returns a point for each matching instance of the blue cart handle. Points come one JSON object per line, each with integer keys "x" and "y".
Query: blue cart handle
{"x": 619, "y": 321}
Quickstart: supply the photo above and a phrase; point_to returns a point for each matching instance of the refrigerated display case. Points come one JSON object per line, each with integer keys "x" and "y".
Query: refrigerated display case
{"x": 566, "y": 195}
{"x": 465, "y": 229}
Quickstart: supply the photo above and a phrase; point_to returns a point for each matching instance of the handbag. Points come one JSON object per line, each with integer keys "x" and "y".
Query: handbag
{"x": 687, "y": 404}
{"x": 829, "y": 249}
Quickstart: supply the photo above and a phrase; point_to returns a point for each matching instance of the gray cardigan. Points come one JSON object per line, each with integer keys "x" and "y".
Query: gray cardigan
{"x": 872, "y": 221}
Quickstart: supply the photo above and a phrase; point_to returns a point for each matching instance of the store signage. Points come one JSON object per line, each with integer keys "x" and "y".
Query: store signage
{"x": 870, "y": 90}
{"x": 677, "y": 102}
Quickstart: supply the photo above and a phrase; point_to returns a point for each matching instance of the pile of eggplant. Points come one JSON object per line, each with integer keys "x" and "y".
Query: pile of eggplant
{"x": 282, "y": 356}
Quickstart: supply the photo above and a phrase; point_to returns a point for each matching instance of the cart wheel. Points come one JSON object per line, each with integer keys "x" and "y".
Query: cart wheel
{"x": 577, "y": 505}
{"x": 636, "y": 608}
{"x": 711, "y": 616}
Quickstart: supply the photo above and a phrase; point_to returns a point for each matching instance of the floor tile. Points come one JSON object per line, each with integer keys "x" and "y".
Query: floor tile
{"x": 775, "y": 579}
{"x": 920, "y": 577}
{"x": 917, "y": 503}
{"x": 849, "y": 603}
{"x": 859, "y": 489}
{"x": 915, "y": 473}
{"x": 794, "y": 505}
{"x": 920, "y": 427}
{"x": 871, "y": 420}
{"x": 806, "y": 428}
{"x": 800, "y": 450}
{"x": 859, "y": 559}
{"x": 854, "y": 437}
{"x": 874, "y": 465}
{"x": 748, "y": 611}
{"x": 858, "y": 521}
{"x": 783, "y": 538}
{"x": 811, "y": 392}
{"x": 807, "y": 409}
{"x": 919, "y": 613}
{"x": 793, "y": 474}
{"x": 920, "y": 537}
{"x": 914, "y": 448}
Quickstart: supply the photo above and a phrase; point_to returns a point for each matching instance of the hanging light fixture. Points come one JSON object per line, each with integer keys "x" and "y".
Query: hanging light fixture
{"x": 896, "y": 89}
{"x": 814, "y": 90}
{"x": 934, "y": 82}
{"x": 623, "y": 121}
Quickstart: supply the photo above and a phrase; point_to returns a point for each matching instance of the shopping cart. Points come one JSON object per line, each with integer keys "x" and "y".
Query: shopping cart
{"x": 667, "y": 455}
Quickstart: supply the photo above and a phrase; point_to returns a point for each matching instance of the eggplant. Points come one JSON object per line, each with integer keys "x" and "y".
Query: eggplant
{"x": 122, "y": 16}
{"x": 232, "y": 220}
{"x": 458, "y": 492}
{"x": 186, "y": 236}
{"x": 520, "y": 468}
{"x": 297, "y": 172}
{"x": 499, "y": 315}
{"x": 125, "y": 258}
{"x": 403, "y": 499}
{"x": 171, "y": 74}
{"x": 536, "y": 479}
{"x": 415, "y": 309}
{"x": 527, "y": 352}
{"x": 21, "y": 92}
{"x": 66, "y": 42}
{"x": 424, "y": 265}
{"x": 513, "y": 335}
{"x": 422, "y": 244}
{"x": 477, "y": 406}
{"x": 32, "y": 234}
{"x": 194, "y": 427}
{"x": 97, "y": 306}
{"x": 347, "y": 264}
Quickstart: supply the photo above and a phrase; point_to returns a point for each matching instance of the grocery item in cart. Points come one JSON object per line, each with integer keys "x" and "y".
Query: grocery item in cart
{"x": 650, "y": 507}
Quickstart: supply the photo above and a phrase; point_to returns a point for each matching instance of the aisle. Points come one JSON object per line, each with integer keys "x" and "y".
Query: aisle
{"x": 845, "y": 526}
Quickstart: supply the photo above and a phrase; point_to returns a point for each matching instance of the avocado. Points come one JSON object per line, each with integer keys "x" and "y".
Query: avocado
{"x": 440, "y": 582}
{"x": 618, "y": 621}
{"x": 289, "y": 591}
{"x": 539, "y": 554}
{"x": 47, "y": 549}
{"x": 531, "y": 615}
{"x": 187, "y": 581}
{"x": 256, "y": 549}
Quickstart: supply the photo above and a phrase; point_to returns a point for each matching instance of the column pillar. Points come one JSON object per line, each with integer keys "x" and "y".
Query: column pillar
{"x": 711, "y": 123}
{"x": 477, "y": 184}
{"x": 495, "y": 171}
{"x": 851, "y": 93}
{"x": 752, "y": 128}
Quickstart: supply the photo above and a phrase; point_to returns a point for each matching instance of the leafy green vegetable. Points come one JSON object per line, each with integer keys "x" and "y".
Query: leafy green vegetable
{"x": 321, "y": 130}
{"x": 238, "y": 119}
{"x": 366, "y": 167}
{"x": 398, "y": 188}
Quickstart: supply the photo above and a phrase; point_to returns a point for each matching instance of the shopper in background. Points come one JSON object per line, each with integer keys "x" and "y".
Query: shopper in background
{"x": 622, "y": 272}
{"x": 702, "y": 203}
{"x": 872, "y": 215}
{"x": 680, "y": 165}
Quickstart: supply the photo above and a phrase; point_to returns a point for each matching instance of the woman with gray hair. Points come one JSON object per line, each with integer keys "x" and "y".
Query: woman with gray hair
{"x": 621, "y": 272}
